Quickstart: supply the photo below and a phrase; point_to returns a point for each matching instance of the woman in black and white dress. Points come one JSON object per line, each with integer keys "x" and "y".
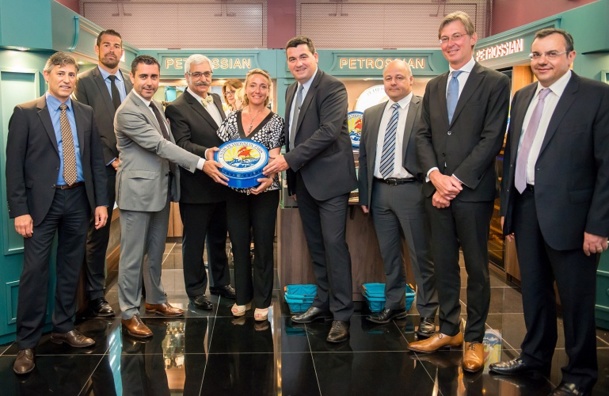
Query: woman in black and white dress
{"x": 254, "y": 210}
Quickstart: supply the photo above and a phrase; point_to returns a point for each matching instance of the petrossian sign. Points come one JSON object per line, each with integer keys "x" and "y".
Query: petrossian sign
{"x": 500, "y": 50}
{"x": 225, "y": 63}
{"x": 373, "y": 63}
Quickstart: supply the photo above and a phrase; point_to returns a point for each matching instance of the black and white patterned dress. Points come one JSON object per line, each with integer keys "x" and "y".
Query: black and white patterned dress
{"x": 269, "y": 133}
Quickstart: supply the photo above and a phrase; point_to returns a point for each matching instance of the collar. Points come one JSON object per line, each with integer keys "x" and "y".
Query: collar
{"x": 200, "y": 98}
{"x": 308, "y": 83}
{"x": 147, "y": 102}
{"x": 54, "y": 103}
{"x": 105, "y": 74}
{"x": 403, "y": 103}
{"x": 467, "y": 68}
{"x": 559, "y": 86}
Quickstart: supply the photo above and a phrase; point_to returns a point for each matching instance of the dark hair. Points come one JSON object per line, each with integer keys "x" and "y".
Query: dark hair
{"x": 566, "y": 35}
{"x": 296, "y": 41}
{"x": 109, "y": 32}
{"x": 145, "y": 59}
{"x": 60, "y": 59}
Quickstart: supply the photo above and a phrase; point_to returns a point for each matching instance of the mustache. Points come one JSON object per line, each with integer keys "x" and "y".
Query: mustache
{"x": 202, "y": 84}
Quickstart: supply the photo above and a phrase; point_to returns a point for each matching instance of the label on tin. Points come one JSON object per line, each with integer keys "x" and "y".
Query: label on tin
{"x": 242, "y": 161}
{"x": 354, "y": 121}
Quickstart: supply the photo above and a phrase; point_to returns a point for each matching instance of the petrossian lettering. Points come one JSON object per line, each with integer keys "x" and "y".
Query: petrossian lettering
{"x": 217, "y": 63}
{"x": 377, "y": 63}
{"x": 500, "y": 50}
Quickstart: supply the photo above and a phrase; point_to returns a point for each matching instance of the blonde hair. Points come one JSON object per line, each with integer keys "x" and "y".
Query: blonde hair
{"x": 251, "y": 73}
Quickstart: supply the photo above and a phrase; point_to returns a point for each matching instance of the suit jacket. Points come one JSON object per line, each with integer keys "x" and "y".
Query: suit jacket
{"x": 572, "y": 170}
{"x": 148, "y": 161}
{"x": 195, "y": 130}
{"x": 32, "y": 159}
{"x": 369, "y": 142}
{"x": 467, "y": 146}
{"x": 322, "y": 152}
{"x": 91, "y": 90}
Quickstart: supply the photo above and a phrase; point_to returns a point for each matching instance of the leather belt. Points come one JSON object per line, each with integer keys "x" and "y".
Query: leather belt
{"x": 530, "y": 187}
{"x": 392, "y": 181}
{"x": 66, "y": 187}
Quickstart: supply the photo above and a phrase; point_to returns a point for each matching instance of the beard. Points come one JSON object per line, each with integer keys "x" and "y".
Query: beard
{"x": 109, "y": 62}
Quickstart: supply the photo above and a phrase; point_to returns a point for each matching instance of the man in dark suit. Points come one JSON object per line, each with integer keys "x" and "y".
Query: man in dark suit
{"x": 104, "y": 88}
{"x": 195, "y": 117}
{"x": 147, "y": 180}
{"x": 555, "y": 203}
{"x": 461, "y": 131}
{"x": 390, "y": 189}
{"x": 321, "y": 172}
{"x": 55, "y": 179}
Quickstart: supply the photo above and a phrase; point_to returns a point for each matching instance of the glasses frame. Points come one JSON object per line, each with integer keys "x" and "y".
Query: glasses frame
{"x": 551, "y": 55}
{"x": 198, "y": 75}
{"x": 454, "y": 37}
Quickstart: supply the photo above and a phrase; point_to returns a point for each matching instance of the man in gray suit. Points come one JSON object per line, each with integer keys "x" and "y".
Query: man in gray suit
{"x": 147, "y": 180}
{"x": 321, "y": 172}
{"x": 390, "y": 189}
{"x": 104, "y": 88}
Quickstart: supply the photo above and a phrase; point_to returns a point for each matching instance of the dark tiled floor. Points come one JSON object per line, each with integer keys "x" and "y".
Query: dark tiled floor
{"x": 212, "y": 353}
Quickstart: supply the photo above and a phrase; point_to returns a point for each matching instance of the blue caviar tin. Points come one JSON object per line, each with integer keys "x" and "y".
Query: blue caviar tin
{"x": 242, "y": 162}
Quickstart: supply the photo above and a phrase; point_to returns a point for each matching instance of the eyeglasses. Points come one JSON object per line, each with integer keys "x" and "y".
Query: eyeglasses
{"x": 229, "y": 93}
{"x": 207, "y": 74}
{"x": 551, "y": 55}
{"x": 454, "y": 37}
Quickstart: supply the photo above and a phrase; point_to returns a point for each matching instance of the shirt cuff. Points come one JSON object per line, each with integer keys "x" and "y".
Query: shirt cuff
{"x": 429, "y": 172}
{"x": 200, "y": 163}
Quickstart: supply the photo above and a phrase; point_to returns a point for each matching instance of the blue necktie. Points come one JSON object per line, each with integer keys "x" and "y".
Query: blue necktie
{"x": 452, "y": 96}
{"x": 388, "y": 153}
{"x": 297, "y": 104}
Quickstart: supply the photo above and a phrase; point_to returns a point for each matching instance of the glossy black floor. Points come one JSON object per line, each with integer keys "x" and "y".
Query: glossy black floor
{"x": 212, "y": 353}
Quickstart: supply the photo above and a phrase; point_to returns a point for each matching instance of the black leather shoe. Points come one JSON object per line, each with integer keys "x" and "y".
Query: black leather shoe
{"x": 427, "y": 327}
{"x": 226, "y": 291}
{"x": 202, "y": 302}
{"x": 25, "y": 361}
{"x": 339, "y": 332}
{"x": 73, "y": 338}
{"x": 312, "y": 314}
{"x": 514, "y": 367}
{"x": 567, "y": 389}
{"x": 100, "y": 307}
{"x": 387, "y": 315}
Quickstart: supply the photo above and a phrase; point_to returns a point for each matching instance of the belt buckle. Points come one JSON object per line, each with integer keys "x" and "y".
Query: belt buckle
{"x": 392, "y": 182}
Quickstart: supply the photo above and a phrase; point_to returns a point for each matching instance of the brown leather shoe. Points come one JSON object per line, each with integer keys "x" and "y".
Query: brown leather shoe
{"x": 473, "y": 359}
{"x": 73, "y": 338}
{"x": 25, "y": 361}
{"x": 435, "y": 342}
{"x": 164, "y": 309}
{"x": 136, "y": 328}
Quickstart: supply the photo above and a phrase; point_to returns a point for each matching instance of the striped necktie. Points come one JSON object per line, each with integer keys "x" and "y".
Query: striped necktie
{"x": 69, "y": 153}
{"x": 388, "y": 153}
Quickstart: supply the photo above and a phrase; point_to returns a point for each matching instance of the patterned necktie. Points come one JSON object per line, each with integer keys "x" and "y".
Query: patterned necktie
{"x": 452, "y": 96}
{"x": 159, "y": 118}
{"x": 116, "y": 96}
{"x": 207, "y": 100}
{"x": 388, "y": 153}
{"x": 69, "y": 154}
{"x": 297, "y": 105}
{"x": 520, "y": 180}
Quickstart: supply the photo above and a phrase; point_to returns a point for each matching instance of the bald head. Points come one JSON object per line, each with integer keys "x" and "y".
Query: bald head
{"x": 398, "y": 80}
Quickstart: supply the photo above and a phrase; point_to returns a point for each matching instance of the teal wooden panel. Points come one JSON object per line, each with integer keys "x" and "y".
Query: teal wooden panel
{"x": 15, "y": 87}
{"x": 12, "y": 293}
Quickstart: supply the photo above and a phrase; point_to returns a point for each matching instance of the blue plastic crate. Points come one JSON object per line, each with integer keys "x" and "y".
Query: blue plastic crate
{"x": 374, "y": 289}
{"x": 298, "y": 305}
{"x": 305, "y": 290}
{"x": 410, "y": 293}
{"x": 375, "y": 304}
{"x": 375, "y": 296}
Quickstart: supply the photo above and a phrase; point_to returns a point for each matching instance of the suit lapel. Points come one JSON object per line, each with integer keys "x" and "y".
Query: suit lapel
{"x": 373, "y": 124}
{"x": 410, "y": 119}
{"x": 47, "y": 123}
{"x": 474, "y": 81}
{"x": 566, "y": 100}
{"x": 289, "y": 98}
{"x": 103, "y": 90}
{"x": 198, "y": 108}
{"x": 218, "y": 104}
{"x": 80, "y": 126}
{"x": 518, "y": 121}
{"x": 306, "y": 102}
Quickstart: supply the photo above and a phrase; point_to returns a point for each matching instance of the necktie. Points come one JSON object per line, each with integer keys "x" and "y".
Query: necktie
{"x": 207, "y": 100}
{"x": 116, "y": 96}
{"x": 297, "y": 105}
{"x": 520, "y": 180}
{"x": 159, "y": 118}
{"x": 452, "y": 96}
{"x": 69, "y": 154}
{"x": 388, "y": 153}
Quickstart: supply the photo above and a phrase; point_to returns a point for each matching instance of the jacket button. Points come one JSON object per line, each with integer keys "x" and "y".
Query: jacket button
{"x": 449, "y": 133}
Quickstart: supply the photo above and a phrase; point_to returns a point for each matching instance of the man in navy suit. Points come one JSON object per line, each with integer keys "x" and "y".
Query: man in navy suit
{"x": 104, "y": 88}
{"x": 555, "y": 203}
{"x": 55, "y": 182}
{"x": 461, "y": 131}
{"x": 321, "y": 172}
